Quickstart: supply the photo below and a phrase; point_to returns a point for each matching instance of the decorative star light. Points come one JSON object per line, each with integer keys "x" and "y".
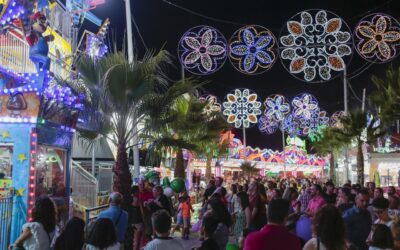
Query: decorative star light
{"x": 267, "y": 125}
{"x": 20, "y": 192}
{"x": 21, "y": 158}
{"x": 335, "y": 119}
{"x": 5, "y": 134}
{"x": 304, "y": 105}
{"x": 314, "y": 44}
{"x": 277, "y": 107}
{"x": 291, "y": 125}
{"x": 377, "y": 38}
{"x": 312, "y": 125}
{"x": 252, "y": 49}
{"x": 202, "y": 50}
{"x": 242, "y": 108}
{"x": 212, "y": 104}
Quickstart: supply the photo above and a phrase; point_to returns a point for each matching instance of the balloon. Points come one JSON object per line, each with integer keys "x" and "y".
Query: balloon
{"x": 152, "y": 174}
{"x": 168, "y": 192}
{"x": 166, "y": 182}
{"x": 303, "y": 228}
{"x": 178, "y": 185}
{"x": 231, "y": 246}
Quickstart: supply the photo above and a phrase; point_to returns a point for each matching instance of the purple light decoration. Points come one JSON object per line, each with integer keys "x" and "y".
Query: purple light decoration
{"x": 377, "y": 38}
{"x": 13, "y": 11}
{"x": 63, "y": 96}
{"x": 277, "y": 107}
{"x": 202, "y": 50}
{"x": 267, "y": 125}
{"x": 95, "y": 46}
{"x": 335, "y": 119}
{"x": 312, "y": 125}
{"x": 304, "y": 105}
{"x": 291, "y": 125}
{"x": 252, "y": 50}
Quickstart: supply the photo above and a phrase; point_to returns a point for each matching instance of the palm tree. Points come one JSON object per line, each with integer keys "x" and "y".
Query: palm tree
{"x": 357, "y": 128}
{"x": 184, "y": 125}
{"x": 122, "y": 94}
{"x": 327, "y": 144}
{"x": 387, "y": 95}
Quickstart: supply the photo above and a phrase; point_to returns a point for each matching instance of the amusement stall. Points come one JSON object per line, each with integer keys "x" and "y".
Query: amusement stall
{"x": 38, "y": 111}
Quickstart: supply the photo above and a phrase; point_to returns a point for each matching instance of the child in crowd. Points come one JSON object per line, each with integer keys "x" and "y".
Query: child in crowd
{"x": 161, "y": 221}
{"x": 208, "y": 228}
{"x": 186, "y": 208}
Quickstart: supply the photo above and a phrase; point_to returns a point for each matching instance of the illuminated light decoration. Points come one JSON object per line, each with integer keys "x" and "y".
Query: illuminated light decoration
{"x": 212, "y": 104}
{"x": 311, "y": 126}
{"x": 377, "y": 38}
{"x": 304, "y": 105}
{"x": 252, "y": 49}
{"x": 32, "y": 173}
{"x": 277, "y": 107}
{"x": 314, "y": 45}
{"x": 291, "y": 125}
{"x": 7, "y": 119}
{"x": 335, "y": 119}
{"x": 242, "y": 108}
{"x": 267, "y": 125}
{"x": 95, "y": 46}
{"x": 62, "y": 96}
{"x": 15, "y": 9}
{"x": 202, "y": 50}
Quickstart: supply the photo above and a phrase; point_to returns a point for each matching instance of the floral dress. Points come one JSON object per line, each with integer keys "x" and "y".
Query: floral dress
{"x": 240, "y": 223}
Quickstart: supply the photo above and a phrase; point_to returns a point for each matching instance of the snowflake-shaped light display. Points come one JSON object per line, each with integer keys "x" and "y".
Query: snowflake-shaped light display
{"x": 252, "y": 49}
{"x": 335, "y": 119}
{"x": 242, "y": 108}
{"x": 212, "y": 104}
{"x": 313, "y": 124}
{"x": 291, "y": 125}
{"x": 304, "y": 105}
{"x": 202, "y": 50}
{"x": 315, "y": 44}
{"x": 377, "y": 38}
{"x": 267, "y": 125}
{"x": 277, "y": 107}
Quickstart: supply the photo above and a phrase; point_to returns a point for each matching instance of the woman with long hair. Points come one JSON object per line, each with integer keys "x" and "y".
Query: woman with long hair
{"x": 38, "y": 234}
{"x": 102, "y": 235}
{"x": 257, "y": 207}
{"x": 328, "y": 230}
{"x": 72, "y": 237}
{"x": 217, "y": 209}
{"x": 243, "y": 216}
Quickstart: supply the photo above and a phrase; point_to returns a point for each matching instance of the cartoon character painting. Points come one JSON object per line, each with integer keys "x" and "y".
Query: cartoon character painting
{"x": 38, "y": 43}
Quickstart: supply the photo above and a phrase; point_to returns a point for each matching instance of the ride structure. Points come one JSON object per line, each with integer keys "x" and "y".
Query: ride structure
{"x": 38, "y": 110}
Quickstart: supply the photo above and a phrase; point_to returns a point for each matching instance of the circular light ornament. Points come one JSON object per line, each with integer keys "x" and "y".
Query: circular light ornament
{"x": 277, "y": 107}
{"x": 252, "y": 49}
{"x": 335, "y": 119}
{"x": 242, "y": 107}
{"x": 377, "y": 38}
{"x": 304, "y": 105}
{"x": 202, "y": 50}
{"x": 291, "y": 125}
{"x": 267, "y": 125}
{"x": 212, "y": 104}
{"x": 313, "y": 125}
{"x": 315, "y": 45}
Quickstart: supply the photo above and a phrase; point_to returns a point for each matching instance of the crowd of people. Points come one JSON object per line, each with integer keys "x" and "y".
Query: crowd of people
{"x": 260, "y": 215}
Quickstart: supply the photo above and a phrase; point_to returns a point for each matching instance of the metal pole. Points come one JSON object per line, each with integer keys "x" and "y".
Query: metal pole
{"x": 397, "y": 126}
{"x": 363, "y": 101}
{"x": 346, "y": 110}
{"x": 94, "y": 156}
{"x": 283, "y": 153}
{"x": 244, "y": 144}
{"x": 129, "y": 33}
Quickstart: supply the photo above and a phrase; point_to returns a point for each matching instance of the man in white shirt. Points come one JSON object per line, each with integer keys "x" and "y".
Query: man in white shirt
{"x": 161, "y": 221}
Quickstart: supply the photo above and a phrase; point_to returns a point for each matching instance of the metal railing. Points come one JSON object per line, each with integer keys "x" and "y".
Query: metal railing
{"x": 84, "y": 186}
{"x": 6, "y": 205}
{"x": 92, "y": 213}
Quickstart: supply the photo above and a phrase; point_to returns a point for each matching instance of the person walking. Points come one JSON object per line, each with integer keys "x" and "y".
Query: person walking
{"x": 186, "y": 208}
{"x": 274, "y": 236}
{"x": 328, "y": 230}
{"x": 358, "y": 221}
{"x": 117, "y": 215}
{"x": 39, "y": 232}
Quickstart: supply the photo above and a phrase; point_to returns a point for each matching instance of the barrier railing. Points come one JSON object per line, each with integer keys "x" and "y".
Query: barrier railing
{"x": 92, "y": 213}
{"x": 6, "y": 205}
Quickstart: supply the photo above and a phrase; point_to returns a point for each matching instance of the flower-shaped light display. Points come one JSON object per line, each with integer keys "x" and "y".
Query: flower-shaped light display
{"x": 291, "y": 125}
{"x": 315, "y": 44}
{"x": 304, "y": 105}
{"x": 252, "y": 49}
{"x": 212, "y": 104}
{"x": 377, "y": 38}
{"x": 242, "y": 108}
{"x": 202, "y": 50}
{"x": 335, "y": 119}
{"x": 277, "y": 107}
{"x": 267, "y": 125}
{"x": 312, "y": 125}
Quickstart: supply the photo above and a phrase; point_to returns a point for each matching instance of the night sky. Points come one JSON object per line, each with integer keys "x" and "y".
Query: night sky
{"x": 162, "y": 24}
